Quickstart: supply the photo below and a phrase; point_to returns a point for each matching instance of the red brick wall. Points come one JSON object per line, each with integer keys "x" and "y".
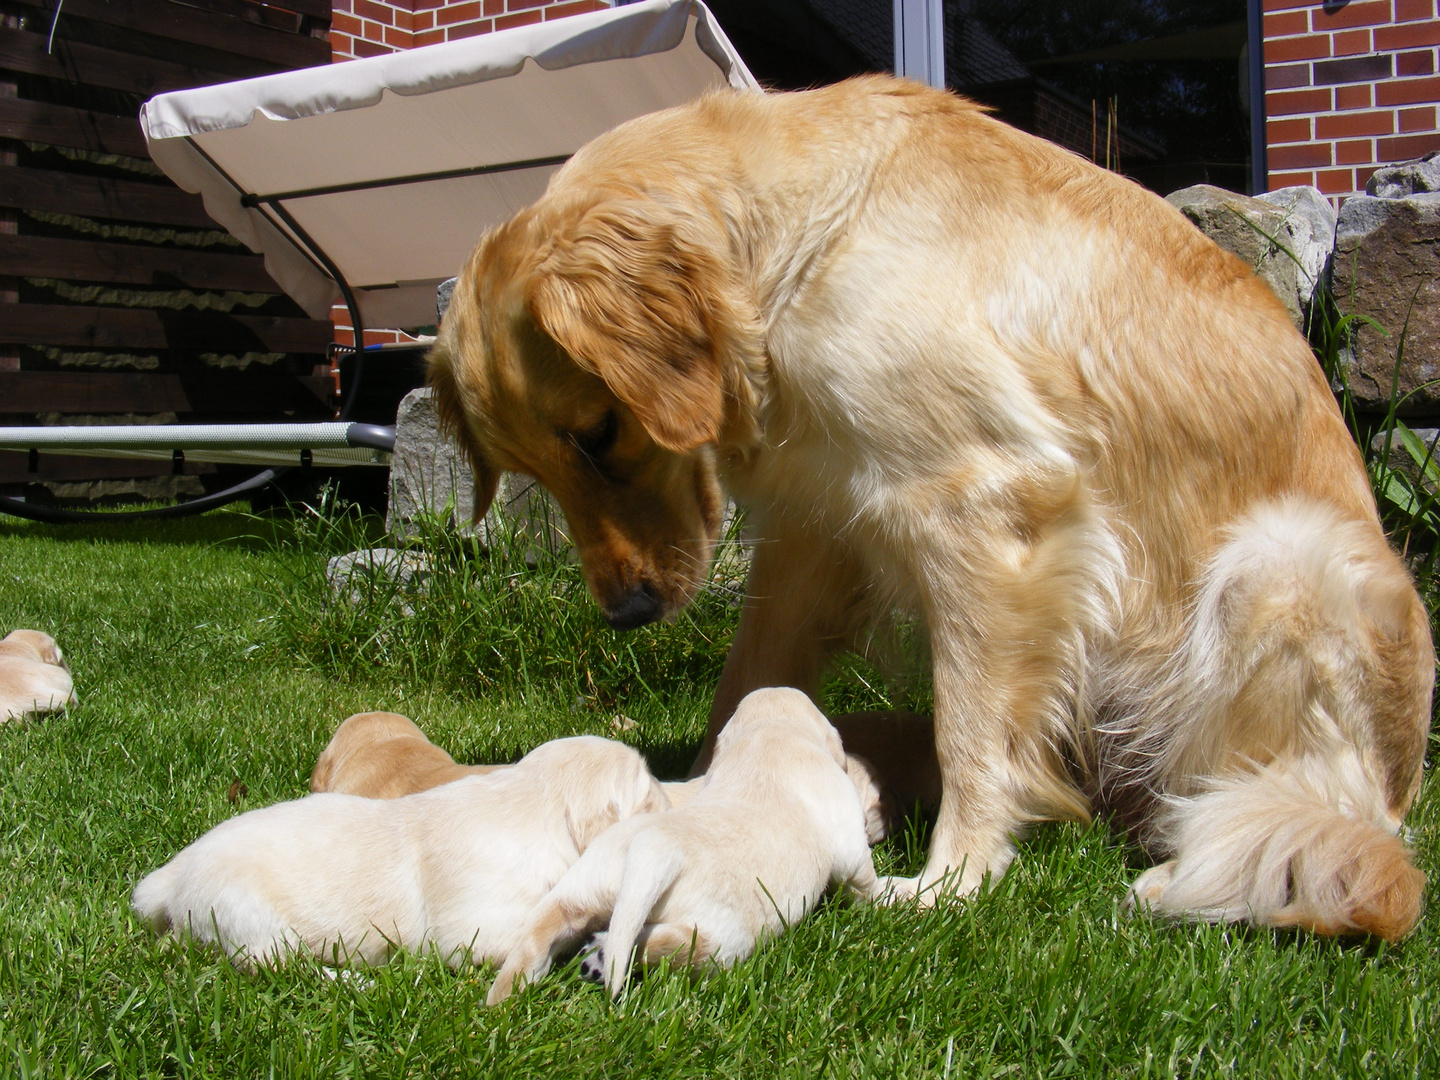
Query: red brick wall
{"x": 374, "y": 27}
{"x": 1348, "y": 87}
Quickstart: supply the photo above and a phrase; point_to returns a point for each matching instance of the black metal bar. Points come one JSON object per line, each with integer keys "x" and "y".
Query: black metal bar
{"x": 371, "y": 436}
{"x": 251, "y": 200}
{"x": 1259, "y": 166}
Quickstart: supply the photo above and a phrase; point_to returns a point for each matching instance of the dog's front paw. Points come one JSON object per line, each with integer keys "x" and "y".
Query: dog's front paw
{"x": 1145, "y": 894}
{"x": 592, "y": 959}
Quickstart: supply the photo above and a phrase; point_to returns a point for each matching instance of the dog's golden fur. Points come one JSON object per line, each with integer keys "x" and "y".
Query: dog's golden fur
{"x": 383, "y": 755}
{"x": 951, "y": 367}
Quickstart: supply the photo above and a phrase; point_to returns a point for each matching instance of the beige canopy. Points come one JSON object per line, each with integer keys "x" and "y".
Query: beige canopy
{"x": 379, "y": 175}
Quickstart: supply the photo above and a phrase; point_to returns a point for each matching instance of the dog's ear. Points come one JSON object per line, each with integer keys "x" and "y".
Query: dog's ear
{"x": 634, "y": 293}
{"x": 450, "y": 408}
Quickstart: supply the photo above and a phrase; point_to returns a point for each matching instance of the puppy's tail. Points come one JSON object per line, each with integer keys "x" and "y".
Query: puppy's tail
{"x": 651, "y": 866}
{"x": 1286, "y": 846}
{"x": 151, "y": 899}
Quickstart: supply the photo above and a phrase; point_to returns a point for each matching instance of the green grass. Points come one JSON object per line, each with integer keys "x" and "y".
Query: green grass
{"x": 206, "y": 651}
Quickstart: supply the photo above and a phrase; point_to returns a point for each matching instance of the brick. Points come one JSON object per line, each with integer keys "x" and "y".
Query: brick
{"x": 1309, "y": 47}
{"x": 1408, "y": 91}
{"x": 344, "y": 24}
{"x": 1300, "y": 156}
{"x": 578, "y": 7}
{"x": 1286, "y": 77}
{"x": 422, "y": 20}
{"x": 399, "y": 39}
{"x": 1348, "y": 125}
{"x": 1350, "y": 43}
{"x": 457, "y": 13}
{"x": 379, "y": 13}
{"x": 1284, "y": 23}
{"x": 1336, "y": 181}
{"x": 1353, "y": 70}
{"x": 1289, "y": 102}
{"x": 1405, "y": 147}
{"x": 1283, "y": 5}
{"x": 429, "y": 37}
{"x": 1409, "y": 10}
{"x": 521, "y": 5}
{"x": 494, "y": 7}
{"x": 1283, "y": 131}
{"x": 1415, "y": 63}
{"x": 520, "y": 18}
{"x": 1358, "y": 13}
{"x": 1289, "y": 179}
{"x": 339, "y": 5}
{"x": 1408, "y": 35}
{"x": 1355, "y": 152}
{"x": 1362, "y": 176}
{"x": 371, "y": 48}
{"x": 341, "y": 44}
{"x": 1352, "y": 97}
{"x": 1417, "y": 119}
{"x": 472, "y": 29}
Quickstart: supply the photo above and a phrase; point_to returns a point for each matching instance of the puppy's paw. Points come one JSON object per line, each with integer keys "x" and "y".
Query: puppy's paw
{"x": 896, "y": 890}
{"x": 1145, "y": 894}
{"x": 592, "y": 959}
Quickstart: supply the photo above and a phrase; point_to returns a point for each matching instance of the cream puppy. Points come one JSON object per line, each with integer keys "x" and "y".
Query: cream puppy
{"x": 458, "y": 868}
{"x": 383, "y": 755}
{"x": 34, "y": 677}
{"x": 776, "y": 822}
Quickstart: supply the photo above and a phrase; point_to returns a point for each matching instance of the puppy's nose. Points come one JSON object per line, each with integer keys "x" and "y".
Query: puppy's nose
{"x": 636, "y": 608}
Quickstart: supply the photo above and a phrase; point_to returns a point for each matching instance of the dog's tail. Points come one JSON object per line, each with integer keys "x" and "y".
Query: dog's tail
{"x": 151, "y": 899}
{"x": 1285, "y": 846}
{"x": 651, "y": 866}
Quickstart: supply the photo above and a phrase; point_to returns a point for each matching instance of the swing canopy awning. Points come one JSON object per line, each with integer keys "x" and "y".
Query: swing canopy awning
{"x": 377, "y": 176}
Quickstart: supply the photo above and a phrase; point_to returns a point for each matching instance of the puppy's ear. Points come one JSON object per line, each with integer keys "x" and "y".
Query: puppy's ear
{"x": 450, "y": 408}
{"x": 634, "y": 293}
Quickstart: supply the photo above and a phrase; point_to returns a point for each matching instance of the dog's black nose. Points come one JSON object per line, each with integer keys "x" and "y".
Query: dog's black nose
{"x": 636, "y": 608}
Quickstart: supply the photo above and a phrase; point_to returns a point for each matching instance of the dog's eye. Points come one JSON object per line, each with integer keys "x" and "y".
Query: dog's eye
{"x": 598, "y": 440}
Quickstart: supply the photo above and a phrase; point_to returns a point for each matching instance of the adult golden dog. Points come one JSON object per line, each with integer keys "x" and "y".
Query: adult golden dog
{"x": 951, "y": 367}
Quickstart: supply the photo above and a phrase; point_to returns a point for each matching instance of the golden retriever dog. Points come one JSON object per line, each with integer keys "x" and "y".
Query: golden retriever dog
{"x": 457, "y": 869}
{"x": 776, "y": 823}
{"x": 383, "y": 755}
{"x": 954, "y": 369}
{"x": 34, "y": 676}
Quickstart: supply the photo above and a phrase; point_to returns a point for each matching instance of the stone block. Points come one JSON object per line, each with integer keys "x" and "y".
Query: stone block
{"x": 1387, "y": 268}
{"x": 1407, "y": 178}
{"x": 1285, "y": 236}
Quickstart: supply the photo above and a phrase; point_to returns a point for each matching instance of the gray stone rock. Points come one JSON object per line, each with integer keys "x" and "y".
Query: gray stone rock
{"x": 1286, "y": 237}
{"x": 1407, "y": 178}
{"x": 1387, "y": 269}
{"x": 428, "y": 476}
{"x": 443, "y": 294}
{"x": 379, "y": 574}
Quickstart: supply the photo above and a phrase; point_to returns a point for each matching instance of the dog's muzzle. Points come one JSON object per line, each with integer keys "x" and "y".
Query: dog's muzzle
{"x": 636, "y": 608}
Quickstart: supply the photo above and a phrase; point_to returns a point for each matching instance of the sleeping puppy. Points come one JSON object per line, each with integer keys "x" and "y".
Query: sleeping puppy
{"x": 383, "y": 755}
{"x": 34, "y": 677}
{"x": 776, "y": 823}
{"x": 457, "y": 869}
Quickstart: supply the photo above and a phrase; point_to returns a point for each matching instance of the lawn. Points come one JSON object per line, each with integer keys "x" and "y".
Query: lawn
{"x": 206, "y": 652}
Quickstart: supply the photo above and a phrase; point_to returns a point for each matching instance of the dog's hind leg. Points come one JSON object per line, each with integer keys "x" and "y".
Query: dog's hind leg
{"x": 651, "y": 865}
{"x": 1297, "y": 734}
{"x": 557, "y": 923}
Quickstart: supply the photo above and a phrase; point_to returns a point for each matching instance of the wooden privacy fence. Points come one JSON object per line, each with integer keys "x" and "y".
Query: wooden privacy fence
{"x": 120, "y": 300}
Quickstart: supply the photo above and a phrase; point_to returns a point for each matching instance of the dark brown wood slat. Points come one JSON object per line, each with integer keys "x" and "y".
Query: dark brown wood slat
{"x": 198, "y": 27}
{"x": 130, "y": 328}
{"x": 287, "y": 18}
{"x": 23, "y": 51}
{"x": 59, "y": 125}
{"x": 204, "y": 393}
{"x": 67, "y": 193}
{"x": 76, "y": 392}
{"x": 130, "y": 264}
{"x": 15, "y": 468}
